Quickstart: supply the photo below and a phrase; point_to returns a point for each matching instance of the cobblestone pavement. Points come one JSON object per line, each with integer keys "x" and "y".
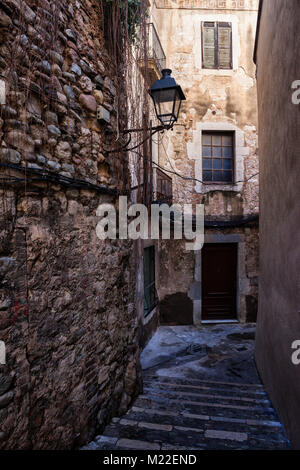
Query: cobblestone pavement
{"x": 201, "y": 391}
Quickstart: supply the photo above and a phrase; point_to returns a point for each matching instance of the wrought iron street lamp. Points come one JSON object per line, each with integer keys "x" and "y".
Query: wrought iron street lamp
{"x": 167, "y": 97}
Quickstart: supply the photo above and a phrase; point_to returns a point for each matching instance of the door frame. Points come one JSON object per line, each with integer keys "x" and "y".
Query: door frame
{"x": 195, "y": 291}
{"x": 234, "y": 248}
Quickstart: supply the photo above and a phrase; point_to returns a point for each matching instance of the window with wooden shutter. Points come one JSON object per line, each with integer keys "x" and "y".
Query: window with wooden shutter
{"x": 225, "y": 45}
{"x": 209, "y": 45}
{"x": 216, "y": 45}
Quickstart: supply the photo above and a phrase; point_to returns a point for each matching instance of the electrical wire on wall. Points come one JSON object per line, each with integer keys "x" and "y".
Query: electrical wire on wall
{"x": 190, "y": 178}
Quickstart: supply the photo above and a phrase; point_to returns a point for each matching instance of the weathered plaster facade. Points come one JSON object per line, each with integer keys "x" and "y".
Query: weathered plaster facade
{"x": 217, "y": 100}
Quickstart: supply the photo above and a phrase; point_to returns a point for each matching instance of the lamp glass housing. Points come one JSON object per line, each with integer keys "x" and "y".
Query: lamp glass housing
{"x": 167, "y": 97}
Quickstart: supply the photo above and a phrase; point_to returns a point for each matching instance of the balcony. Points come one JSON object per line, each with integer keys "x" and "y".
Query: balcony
{"x": 162, "y": 187}
{"x": 156, "y": 55}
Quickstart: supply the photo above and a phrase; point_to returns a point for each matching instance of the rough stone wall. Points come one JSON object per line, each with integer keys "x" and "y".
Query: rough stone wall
{"x": 67, "y": 299}
{"x": 216, "y": 100}
{"x": 279, "y": 313}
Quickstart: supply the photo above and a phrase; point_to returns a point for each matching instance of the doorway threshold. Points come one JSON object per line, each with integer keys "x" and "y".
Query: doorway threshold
{"x": 214, "y": 322}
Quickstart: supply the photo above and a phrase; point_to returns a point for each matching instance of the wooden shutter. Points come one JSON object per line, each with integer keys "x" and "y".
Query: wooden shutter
{"x": 224, "y": 46}
{"x": 209, "y": 42}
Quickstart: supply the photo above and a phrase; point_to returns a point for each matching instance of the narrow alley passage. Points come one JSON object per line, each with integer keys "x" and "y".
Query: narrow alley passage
{"x": 201, "y": 391}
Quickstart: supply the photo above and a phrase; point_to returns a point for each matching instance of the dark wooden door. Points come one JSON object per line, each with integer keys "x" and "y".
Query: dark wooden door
{"x": 219, "y": 281}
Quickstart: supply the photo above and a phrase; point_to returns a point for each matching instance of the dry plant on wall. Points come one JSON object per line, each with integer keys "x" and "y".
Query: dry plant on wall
{"x": 31, "y": 64}
{"x": 32, "y": 83}
{"x": 30, "y": 89}
{"x": 127, "y": 38}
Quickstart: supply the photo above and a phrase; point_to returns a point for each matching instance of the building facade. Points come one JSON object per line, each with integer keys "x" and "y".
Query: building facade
{"x": 278, "y": 329}
{"x": 210, "y": 158}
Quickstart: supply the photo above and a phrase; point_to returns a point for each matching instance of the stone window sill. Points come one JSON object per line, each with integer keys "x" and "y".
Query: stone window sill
{"x": 235, "y": 187}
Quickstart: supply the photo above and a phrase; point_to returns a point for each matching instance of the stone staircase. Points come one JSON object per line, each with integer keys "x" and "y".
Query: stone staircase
{"x": 191, "y": 414}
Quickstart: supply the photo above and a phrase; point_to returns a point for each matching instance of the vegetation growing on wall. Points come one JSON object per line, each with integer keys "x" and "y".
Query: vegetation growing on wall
{"x": 130, "y": 13}
{"x": 125, "y": 26}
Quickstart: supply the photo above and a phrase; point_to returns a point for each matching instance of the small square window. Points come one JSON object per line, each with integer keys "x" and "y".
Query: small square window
{"x": 227, "y": 152}
{"x": 227, "y": 164}
{"x": 206, "y": 139}
{"x": 217, "y": 164}
{"x": 217, "y": 157}
{"x": 207, "y": 175}
{"x": 206, "y": 163}
{"x": 227, "y": 140}
{"x": 206, "y": 151}
{"x": 217, "y": 151}
{"x": 216, "y": 140}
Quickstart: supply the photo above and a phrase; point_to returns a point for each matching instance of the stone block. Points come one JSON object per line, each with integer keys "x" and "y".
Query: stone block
{"x": 103, "y": 114}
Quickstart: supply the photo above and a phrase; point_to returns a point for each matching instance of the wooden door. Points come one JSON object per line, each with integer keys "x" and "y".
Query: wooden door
{"x": 219, "y": 281}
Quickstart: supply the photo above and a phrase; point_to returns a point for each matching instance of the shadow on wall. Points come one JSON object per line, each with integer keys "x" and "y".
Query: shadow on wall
{"x": 251, "y": 308}
{"x": 176, "y": 309}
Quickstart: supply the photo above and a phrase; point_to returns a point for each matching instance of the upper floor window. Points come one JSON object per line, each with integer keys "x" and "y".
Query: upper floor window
{"x": 217, "y": 157}
{"x": 216, "y": 45}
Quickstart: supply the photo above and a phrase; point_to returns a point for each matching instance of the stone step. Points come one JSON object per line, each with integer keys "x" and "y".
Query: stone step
{"x": 205, "y": 408}
{"x": 212, "y": 389}
{"x": 135, "y": 435}
{"x": 190, "y": 382}
{"x": 219, "y": 401}
{"x": 272, "y": 429}
{"x": 218, "y": 398}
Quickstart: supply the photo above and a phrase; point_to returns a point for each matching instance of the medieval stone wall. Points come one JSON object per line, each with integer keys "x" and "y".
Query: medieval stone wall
{"x": 67, "y": 299}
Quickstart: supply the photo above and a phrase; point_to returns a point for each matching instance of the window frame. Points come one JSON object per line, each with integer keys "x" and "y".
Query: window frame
{"x": 233, "y": 157}
{"x": 216, "y": 45}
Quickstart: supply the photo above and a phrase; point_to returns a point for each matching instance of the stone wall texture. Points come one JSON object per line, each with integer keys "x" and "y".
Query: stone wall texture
{"x": 67, "y": 299}
{"x": 279, "y": 313}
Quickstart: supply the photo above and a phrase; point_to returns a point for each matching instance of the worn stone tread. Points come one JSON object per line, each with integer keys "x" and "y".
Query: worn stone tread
{"x": 198, "y": 408}
{"x": 208, "y": 396}
{"x": 181, "y": 422}
{"x": 226, "y": 435}
{"x": 136, "y": 444}
{"x": 189, "y": 381}
{"x": 211, "y": 440}
{"x": 178, "y": 386}
{"x": 147, "y": 399}
{"x": 192, "y": 414}
{"x": 271, "y": 428}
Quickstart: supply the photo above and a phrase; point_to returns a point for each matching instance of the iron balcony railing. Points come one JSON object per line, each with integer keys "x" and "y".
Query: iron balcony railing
{"x": 156, "y": 52}
{"x": 163, "y": 187}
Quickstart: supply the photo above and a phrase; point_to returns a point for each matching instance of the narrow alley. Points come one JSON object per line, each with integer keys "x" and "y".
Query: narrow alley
{"x": 149, "y": 227}
{"x": 201, "y": 391}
